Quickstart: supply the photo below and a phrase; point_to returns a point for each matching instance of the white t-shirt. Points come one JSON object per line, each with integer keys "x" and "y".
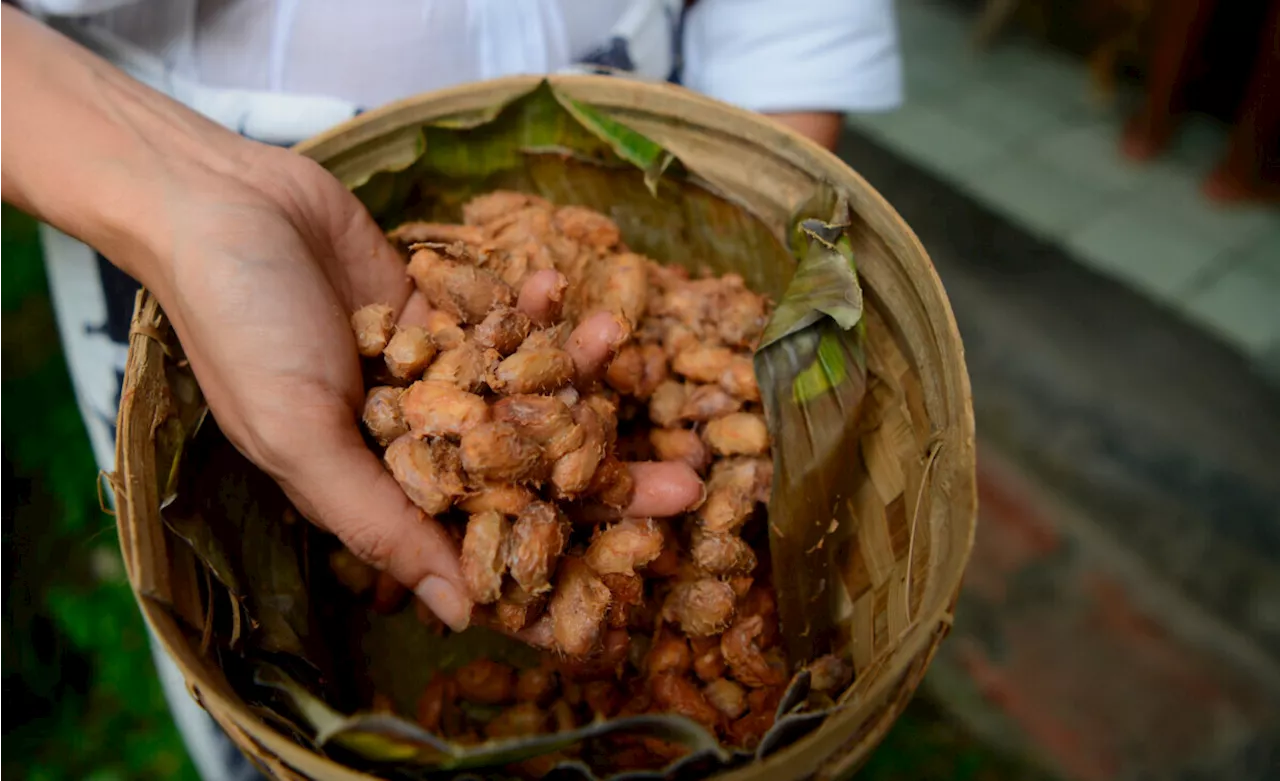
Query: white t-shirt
{"x": 281, "y": 70}
{"x": 766, "y": 55}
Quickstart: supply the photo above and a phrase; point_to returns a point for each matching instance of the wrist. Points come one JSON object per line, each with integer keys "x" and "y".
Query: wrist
{"x": 148, "y": 186}
{"x": 98, "y": 155}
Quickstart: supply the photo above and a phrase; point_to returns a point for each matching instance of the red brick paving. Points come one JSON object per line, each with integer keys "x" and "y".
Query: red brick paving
{"x": 1054, "y": 642}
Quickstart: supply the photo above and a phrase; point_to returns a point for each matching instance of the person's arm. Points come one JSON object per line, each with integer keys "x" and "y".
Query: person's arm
{"x": 820, "y": 126}
{"x": 258, "y": 257}
{"x": 804, "y": 62}
{"x": 244, "y": 246}
{"x": 85, "y": 148}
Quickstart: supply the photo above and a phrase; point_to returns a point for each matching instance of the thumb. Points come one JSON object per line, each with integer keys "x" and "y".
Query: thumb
{"x": 342, "y": 487}
{"x": 363, "y": 265}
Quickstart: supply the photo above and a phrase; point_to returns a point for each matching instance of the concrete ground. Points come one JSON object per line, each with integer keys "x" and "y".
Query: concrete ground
{"x": 1121, "y": 613}
{"x": 1019, "y": 127}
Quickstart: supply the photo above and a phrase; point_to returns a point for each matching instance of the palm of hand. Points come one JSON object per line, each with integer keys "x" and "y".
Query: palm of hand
{"x": 258, "y": 287}
{"x": 264, "y": 278}
{"x": 264, "y": 271}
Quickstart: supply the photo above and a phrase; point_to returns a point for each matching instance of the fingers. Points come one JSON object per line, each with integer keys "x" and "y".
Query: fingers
{"x": 341, "y": 486}
{"x": 593, "y": 344}
{"x": 370, "y": 269}
{"x": 542, "y": 296}
{"x": 596, "y": 339}
{"x": 415, "y": 311}
{"x": 663, "y": 489}
{"x": 446, "y": 599}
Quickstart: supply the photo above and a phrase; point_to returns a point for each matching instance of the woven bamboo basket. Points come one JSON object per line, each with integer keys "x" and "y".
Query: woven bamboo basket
{"x": 911, "y": 497}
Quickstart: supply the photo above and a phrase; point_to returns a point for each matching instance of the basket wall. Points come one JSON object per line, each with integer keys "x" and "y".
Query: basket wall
{"x": 914, "y": 499}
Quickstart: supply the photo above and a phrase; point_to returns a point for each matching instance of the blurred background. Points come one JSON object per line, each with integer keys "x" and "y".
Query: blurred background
{"x": 1096, "y": 181}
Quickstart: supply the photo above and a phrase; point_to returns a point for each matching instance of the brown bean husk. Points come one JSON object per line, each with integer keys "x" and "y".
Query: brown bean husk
{"x": 305, "y": 653}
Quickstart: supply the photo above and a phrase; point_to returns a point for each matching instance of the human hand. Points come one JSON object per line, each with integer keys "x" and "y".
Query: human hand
{"x": 258, "y": 257}
{"x": 821, "y": 127}
{"x": 263, "y": 266}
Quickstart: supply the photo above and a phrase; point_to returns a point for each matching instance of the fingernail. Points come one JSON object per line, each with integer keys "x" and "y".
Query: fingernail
{"x": 446, "y": 601}
{"x": 702, "y": 496}
{"x": 556, "y": 294}
{"x": 623, "y": 333}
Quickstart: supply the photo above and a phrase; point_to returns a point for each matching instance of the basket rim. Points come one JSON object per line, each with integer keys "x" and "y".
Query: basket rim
{"x": 816, "y": 752}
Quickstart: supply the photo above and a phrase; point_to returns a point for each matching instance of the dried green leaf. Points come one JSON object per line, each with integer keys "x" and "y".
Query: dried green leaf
{"x": 812, "y": 376}
{"x": 231, "y": 514}
{"x": 631, "y": 146}
{"x": 187, "y": 411}
{"x": 828, "y": 370}
{"x": 546, "y": 143}
{"x": 386, "y": 739}
{"x": 825, "y": 284}
{"x": 391, "y": 185}
{"x": 463, "y": 156}
{"x": 400, "y": 655}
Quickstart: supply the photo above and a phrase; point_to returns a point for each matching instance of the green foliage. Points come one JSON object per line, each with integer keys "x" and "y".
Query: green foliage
{"x": 84, "y": 700}
{"x": 926, "y": 744}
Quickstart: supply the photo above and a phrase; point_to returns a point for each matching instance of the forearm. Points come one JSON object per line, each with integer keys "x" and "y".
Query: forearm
{"x": 91, "y": 151}
{"x": 822, "y": 127}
